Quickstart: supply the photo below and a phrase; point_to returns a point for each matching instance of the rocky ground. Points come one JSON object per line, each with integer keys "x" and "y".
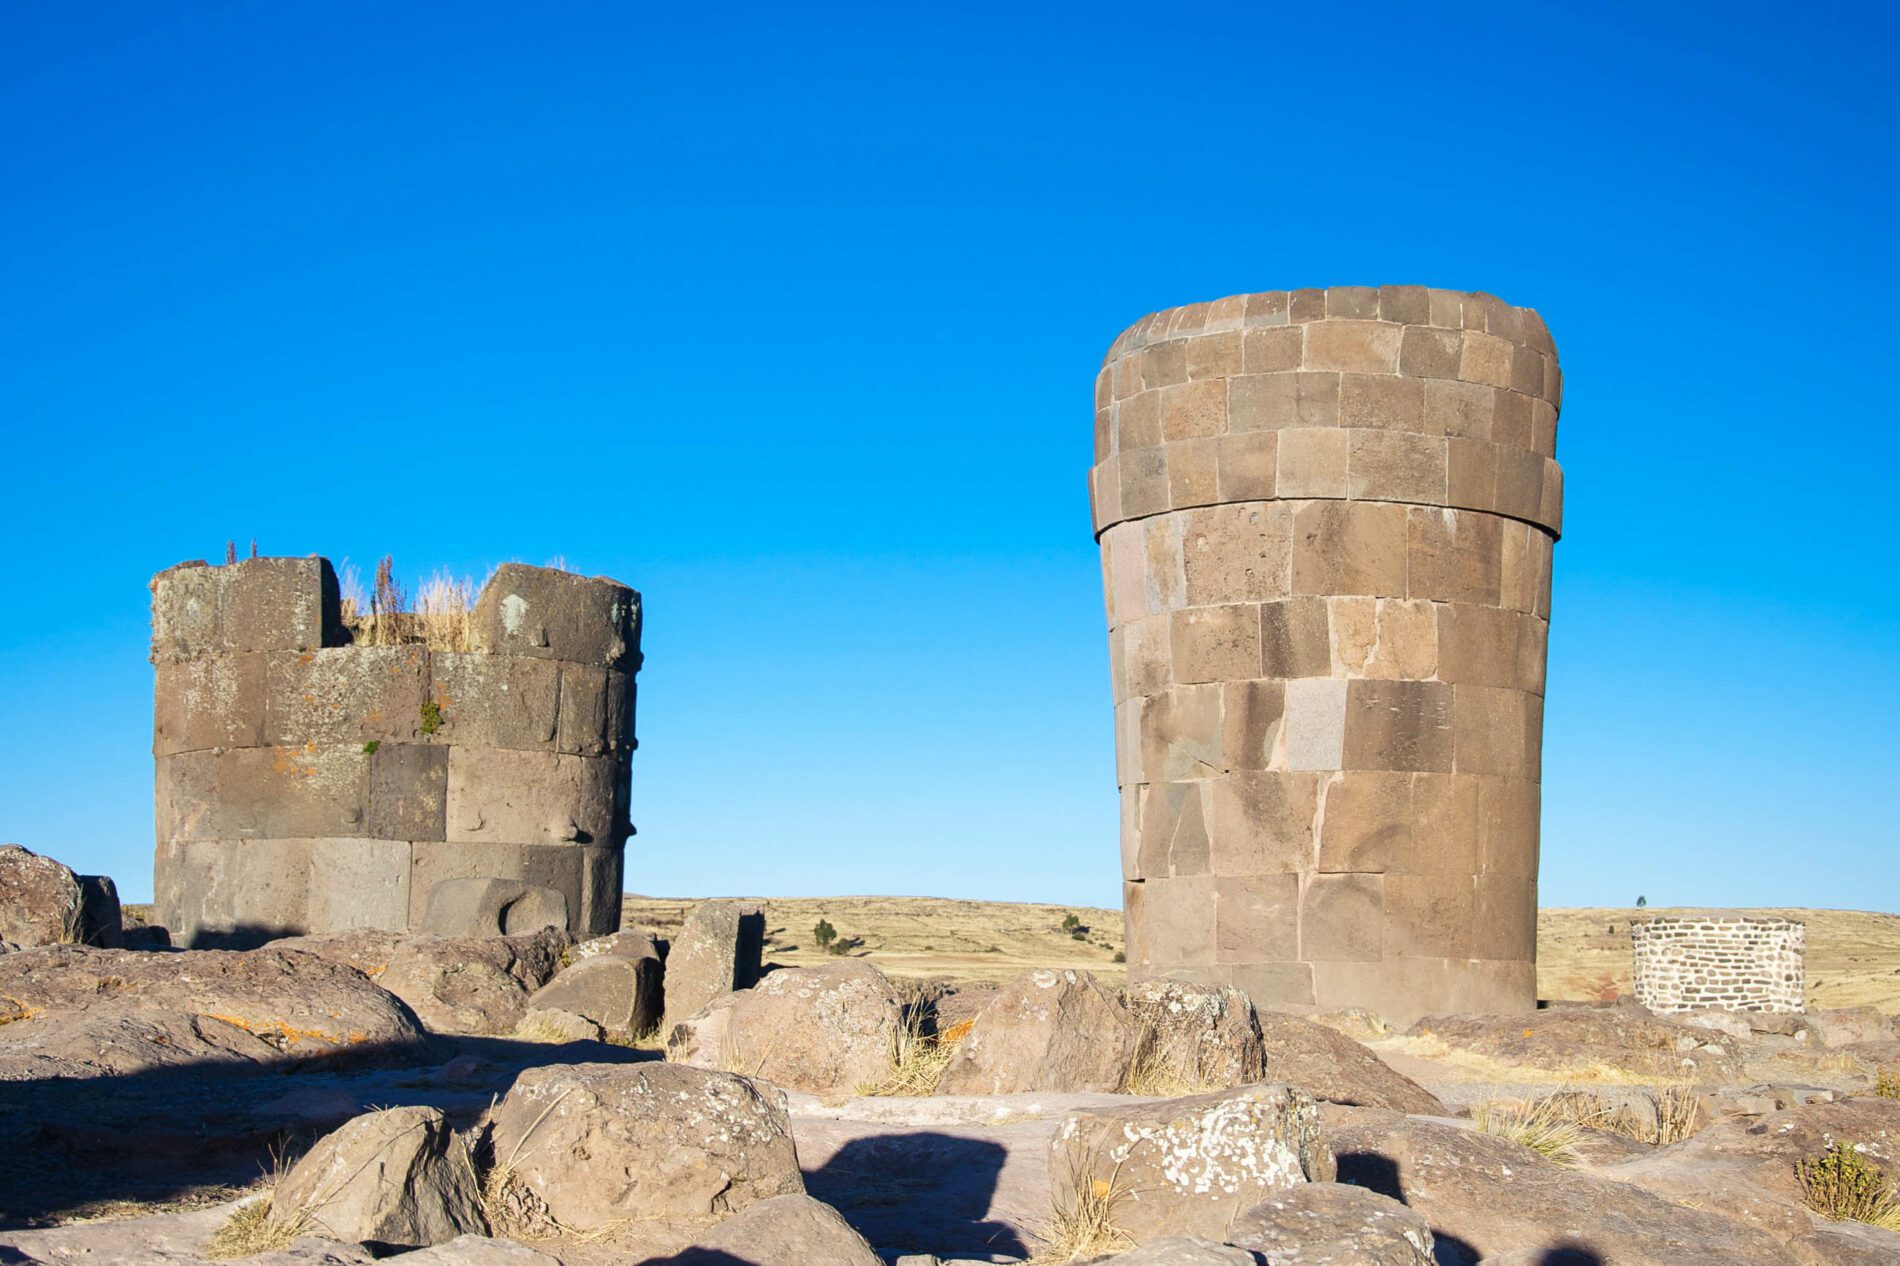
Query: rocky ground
{"x": 522, "y": 1099}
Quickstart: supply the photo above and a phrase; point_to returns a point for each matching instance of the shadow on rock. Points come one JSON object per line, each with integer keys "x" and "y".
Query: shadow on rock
{"x": 916, "y": 1192}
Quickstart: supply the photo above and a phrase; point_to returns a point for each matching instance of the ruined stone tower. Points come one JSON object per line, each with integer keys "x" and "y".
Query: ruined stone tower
{"x": 1326, "y": 521}
{"x": 307, "y": 782}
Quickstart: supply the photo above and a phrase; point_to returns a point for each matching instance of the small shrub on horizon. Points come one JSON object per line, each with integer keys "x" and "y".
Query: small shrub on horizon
{"x": 825, "y": 935}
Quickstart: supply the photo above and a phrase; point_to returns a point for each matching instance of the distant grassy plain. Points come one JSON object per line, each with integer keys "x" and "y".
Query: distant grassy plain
{"x": 1853, "y": 956}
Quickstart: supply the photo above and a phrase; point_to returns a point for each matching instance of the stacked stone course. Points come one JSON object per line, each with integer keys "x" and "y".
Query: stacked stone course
{"x": 1727, "y": 962}
{"x": 1326, "y": 520}
{"x": 307, "y": 784}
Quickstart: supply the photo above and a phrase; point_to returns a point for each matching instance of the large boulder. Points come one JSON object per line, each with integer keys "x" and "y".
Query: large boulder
{"x": 626, "y": 943}
{"x": 717, "y": 951}
{"x": 400, "y": 1178}
{"x": 73, "y": 1011}
{"x": 1337, "y": 1069}
{"x": 1745, "y": 1167}
{"x": 1562, "y": 1043}
{"x": 1194, "y": 1037}
{"x": 1486, "y": 1196}
{"x": 621, "y": 995}
{"x": 1325, "y": 1222}
{"x": 824, "y": 1030}
{"x": 44, "y": 903}
{"x": 1188, "y": 1166}
{"x": 477, "y": 985}
{"x": 792, "y": 1230}
{"x": 1049, "y": 1030}
{"x": 582, "y": 1147}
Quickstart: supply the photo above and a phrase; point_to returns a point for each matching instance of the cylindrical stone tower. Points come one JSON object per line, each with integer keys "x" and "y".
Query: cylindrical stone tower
{"x": 464, "y": 778}
{"x": 1326, "y": 520}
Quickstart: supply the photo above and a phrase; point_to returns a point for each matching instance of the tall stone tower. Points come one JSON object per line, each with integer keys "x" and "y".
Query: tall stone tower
{"x": 433, "y": 777}
{"x": 1326, "y": 520}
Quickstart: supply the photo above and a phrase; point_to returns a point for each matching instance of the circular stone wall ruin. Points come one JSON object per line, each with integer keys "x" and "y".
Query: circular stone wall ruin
{"x": 1729, "y": 962}
{"x": 306, "y": 783}
{"x": 1326, "y": 520}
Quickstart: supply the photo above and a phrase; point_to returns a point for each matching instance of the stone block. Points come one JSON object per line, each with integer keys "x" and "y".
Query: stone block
{"x": 623, "y": 697}
{"x": 1212, "y": 644}
{"x": 543, "y": 613}
{"x": 263, "y": 792}
{"x": 497, "y": 796}
{"x": 1524, "y": 572}
{"x": 213, "y": 700}
{"x": 1304, "y": 306}
{"x": 1215, "y": 356}
{"x": 581, "y": 724}
{"x": 1246, "y": 466}
{"x": 1165, "y": 579}
{"x": 1395, "y": 989}
{"x": 1490, "y": 987}
{"x": 1137, "y": 422}
{"x": 185, "y": 611}
{"x": 1257, "y": 918}
{"x": 1447, "y": 308}
{"x": 1263, "y": 822}
{"x": 1504, "y": 922}
{"x": 1508, "y": 820}
{"x": 1471, "y": 474}
{"x": 1357, "y": 347}
{"x": 1395, "y": 466}
{"x": 1189, "y": 319}
{"x": 1227, "y": 313}
{"x": 1315, "y": 723}
{"x": 408, "y": 792}
{"x": 232, "y": 894}
{"x": 1520, "y": 483}
{"x": 345, "y": 695}
{"x": 1270, "y": 984}
{"x": 1236, "y": 553}
{"x": 1462, "y": 409}
{"x": 1478, "y": 645}
{"x": 1511, "y": 424}
{"x": 1341, "y": 917}
{"x": 1384, "y": 637}
{"x": 1425, "y": 352}
{"x": 1180, "y": 733}
{"x": 1179, "y": 919}
{"x": 484, "y": 906}
{"x": 1193, "y": 410}
{"x": 1543, "y": 428}
{"x": 1267, "y": 308}
{"x": 1405, "y": 305}
{"x": 185, "y": 799}
{"x": 1357, "y": 303}
{"x": 1445, "y": 826}
{"x": 1454, "y": 556}
{"x": 1428, "y": 916}
{"x": 278, "y": 604}
{"x": 1105, "y": 495}
{"x": 1381, "y": 402}
{"x": 1295, "y": 638}
{"x": 1527, "y": 371}
{"x": 717, "y": 951}
{"x": 1399, "y": 725}
{"x": 1312, "y": 463}
{"x": 1486, "y": 359}
{"x": 1349, "y": 548}
{"x": 1491, "y": 723}
{"x": 1193, "y": 472}
{"x": 1174, "y": 837}
{"x": 1273, "y": 349}
{"x": 1550, "y": 505}
{"x": 1251, "y": 713}
{"x": 497, "y": 701}
{"x": 1367, "y": 824}
{"x": 357, "y": 883}
{"x": 556, "y": 867}
{"x": 1147, "y": 656}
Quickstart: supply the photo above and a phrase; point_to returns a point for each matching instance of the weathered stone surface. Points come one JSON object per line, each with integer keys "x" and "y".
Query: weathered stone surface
{"x": 825, "y": 1030}
{"x": 43, "y": 903}
{"x": 1336, "y": 1069}
{"x": 1199, "y": 1035}
{"x": 550, "y": 1024}
{"x": 1568, "y": 1041}
{"x": 1049, "y": 1030}
{"x": 717, "y": 951}
{"x": 1318, "y": 1223}
{"x": 176, "y": 1239}
{"x": 540, "y": 612}
{"x": 1846, "y": 1026}
{"x": 1189, "y": 1166}
{"x": 492, "y": 907}
{"x": 585, "y": 1146}
{"x": 626, "y": 943}
{"x": 1183, "y": 1250}
{"x": 479, "y": 1250}
{"x": 621, "y": 995}
{"x": 1485, "y": 1196}
{"x": 789, "y": 1230}
{"x": 400, "y": 1178}
{"x": 71, "y": 1011}
{"x": 454, "y": 984}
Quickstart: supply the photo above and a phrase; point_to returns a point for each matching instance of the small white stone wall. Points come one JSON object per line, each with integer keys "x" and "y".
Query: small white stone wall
{"x": 1724, "y": 962}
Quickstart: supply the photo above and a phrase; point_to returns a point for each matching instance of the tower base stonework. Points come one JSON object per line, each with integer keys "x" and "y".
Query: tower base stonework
{"x": 1326, "y": 520}
{"x": 308, "y": 781}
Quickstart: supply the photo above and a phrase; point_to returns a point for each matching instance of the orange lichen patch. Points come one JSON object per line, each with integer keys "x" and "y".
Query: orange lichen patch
{"x": 279, "y": 1034}
{"x": 12, "y": 1009}
{"x": 956, "y": 1032}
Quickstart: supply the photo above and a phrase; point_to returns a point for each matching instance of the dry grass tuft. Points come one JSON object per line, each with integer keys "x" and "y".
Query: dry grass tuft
{"x": 1844, "y": 1185}
{"x": 249, "y": 1231}
{"x": 1539, "y": 1125}
{"x": 1670, "y": 1117}
{"x": 1086, "y": 1228}
{"x": 1174, "y": 1059}
{"x": 918, "y": 1057}
{"x": 440, "y": 617}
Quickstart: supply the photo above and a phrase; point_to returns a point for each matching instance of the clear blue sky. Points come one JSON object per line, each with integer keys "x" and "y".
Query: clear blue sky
{"x": 788, "y": 316}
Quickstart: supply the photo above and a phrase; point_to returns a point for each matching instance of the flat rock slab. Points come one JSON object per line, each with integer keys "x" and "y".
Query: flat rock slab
{"x": 166, "y": 1239}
